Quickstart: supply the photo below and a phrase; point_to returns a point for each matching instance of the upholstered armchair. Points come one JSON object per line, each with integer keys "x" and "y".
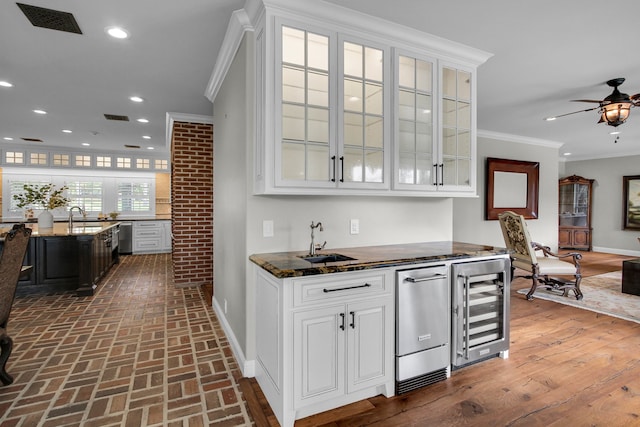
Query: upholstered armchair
{"x": 544, "y": 265}
{"x": 11, "y": 258}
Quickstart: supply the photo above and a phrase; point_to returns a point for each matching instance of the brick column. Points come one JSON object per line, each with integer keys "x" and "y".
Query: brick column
{"x": 192, "y": 203}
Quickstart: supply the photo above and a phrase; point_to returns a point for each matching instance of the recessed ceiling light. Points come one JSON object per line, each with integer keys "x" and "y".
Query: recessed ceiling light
{"x": 143, "y": 120}
{"x": 8, "y": 138}
{"x": 67, "y": 131}
{"x": 566, "y": 154}
{"x": 117, "y": 32}
{"x": 150, "y": 148}
{"x": 86, "y": 144}
{"x": 136, "y": 99}
{"x": 5, "y": 84}
{"x": 39, "y": 111}
{"x": 146, "y": 137}
{"x": 550, "y": 119}
{"x": 615, "y": 132}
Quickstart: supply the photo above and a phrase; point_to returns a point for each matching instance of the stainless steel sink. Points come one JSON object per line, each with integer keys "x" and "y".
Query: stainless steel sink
{"x": 319, "y": 259}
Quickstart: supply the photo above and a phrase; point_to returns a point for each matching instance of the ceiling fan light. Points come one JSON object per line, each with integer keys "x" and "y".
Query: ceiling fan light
{"x": 616, "y": 114}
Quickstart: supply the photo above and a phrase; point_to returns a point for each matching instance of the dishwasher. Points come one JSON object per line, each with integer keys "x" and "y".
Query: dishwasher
{"x": 480, "y": 315}
{"x": 125, "y": 238}
{"x": 423, "y": 314}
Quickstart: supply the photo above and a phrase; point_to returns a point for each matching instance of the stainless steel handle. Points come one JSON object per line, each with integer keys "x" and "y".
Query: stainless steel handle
{"x": 467, "y": 312}
{"x": 353, "y": 319}
{"x": 342, "y": 317}
{"x": 425, "y": 279}
{"x": 366, "y": 285}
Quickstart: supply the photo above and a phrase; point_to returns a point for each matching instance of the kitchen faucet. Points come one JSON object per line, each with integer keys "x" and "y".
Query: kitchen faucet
{"x": 71, "y": 215}
{"x": 313, "y": 248}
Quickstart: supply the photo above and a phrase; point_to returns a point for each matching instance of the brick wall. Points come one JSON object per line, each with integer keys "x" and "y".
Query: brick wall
{"x": 192, "y": 203}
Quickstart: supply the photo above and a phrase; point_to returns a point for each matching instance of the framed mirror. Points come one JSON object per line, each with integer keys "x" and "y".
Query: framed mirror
{"x": 511, "y": 185}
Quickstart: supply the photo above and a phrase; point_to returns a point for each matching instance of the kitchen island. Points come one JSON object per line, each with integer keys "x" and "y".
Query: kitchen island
{"x": 69, "y": 259}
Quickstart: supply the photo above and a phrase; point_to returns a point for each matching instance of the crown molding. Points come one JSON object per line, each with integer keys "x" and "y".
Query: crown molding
{"x": 238, "y": 25}
{"x": 519, "y": 139}
{"x": 340, "y": 18}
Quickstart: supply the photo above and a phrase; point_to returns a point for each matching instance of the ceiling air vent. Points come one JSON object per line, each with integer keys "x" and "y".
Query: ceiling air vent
{"x": 49, "y": 18}
{"x": 32, "y": 139}
{"x": 116, "y": 117}
{"x": 131, "y": 146}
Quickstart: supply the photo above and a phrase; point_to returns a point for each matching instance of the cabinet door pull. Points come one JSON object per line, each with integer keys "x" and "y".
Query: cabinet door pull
{"x": 333, "y": 167}
{"x": 342, "y": 318}
{"x": 441, "y": 173}
{"x": 366, "y": 285}
{"x": 435, "y": 174}
{"x": 341, "y": 168}
{"x": 353, "y": 319}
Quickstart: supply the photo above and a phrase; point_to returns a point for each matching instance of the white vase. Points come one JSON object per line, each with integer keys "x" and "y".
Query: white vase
{"x": 45, "y": 220}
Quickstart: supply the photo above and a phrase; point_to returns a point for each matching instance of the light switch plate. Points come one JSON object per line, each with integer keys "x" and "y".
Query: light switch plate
{"x": 267, "y": 228}
{"x": 355, "y": 226}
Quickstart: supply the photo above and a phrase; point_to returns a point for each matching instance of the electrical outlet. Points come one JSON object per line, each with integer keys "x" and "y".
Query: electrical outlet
{"x": 267, "y": 228}
{"x": 225, "y": 306}
{"x": 355, "y": 226}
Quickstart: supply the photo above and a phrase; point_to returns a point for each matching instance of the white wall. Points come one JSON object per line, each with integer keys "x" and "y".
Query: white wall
{"x": 607, "y": 208}
{"x": 230, "y": 136}
{"x": 469, "y": 224}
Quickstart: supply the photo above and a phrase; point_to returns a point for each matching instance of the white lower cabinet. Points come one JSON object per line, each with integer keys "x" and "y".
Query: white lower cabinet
{"x": 324, "y": 341}
{"x": 151, "y": 236}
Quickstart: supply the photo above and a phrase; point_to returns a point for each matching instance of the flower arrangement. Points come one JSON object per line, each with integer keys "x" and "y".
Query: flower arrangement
{"x": 46, "y": 196}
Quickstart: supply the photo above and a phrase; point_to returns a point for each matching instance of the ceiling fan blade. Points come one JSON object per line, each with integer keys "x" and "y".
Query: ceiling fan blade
{"x": 586, "y": 100}
{"x": 576, "y": 112}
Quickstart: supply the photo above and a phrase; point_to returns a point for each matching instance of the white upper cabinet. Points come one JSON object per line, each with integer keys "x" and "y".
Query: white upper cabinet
{"x": 457, "y": 160}
{"x": 331, "y": 99}
{"x": 363, "y": 155}
{"x": 346, "y": 103}
{"x": 305, "y": 139}
{"x": 415, "y": 140}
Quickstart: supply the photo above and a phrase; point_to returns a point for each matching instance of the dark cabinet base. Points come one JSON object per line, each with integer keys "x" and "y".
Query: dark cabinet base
{"x": 67, "y": 263}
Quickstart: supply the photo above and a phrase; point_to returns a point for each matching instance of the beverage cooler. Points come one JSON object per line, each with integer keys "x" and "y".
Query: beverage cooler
{"x": 480, "y": 311}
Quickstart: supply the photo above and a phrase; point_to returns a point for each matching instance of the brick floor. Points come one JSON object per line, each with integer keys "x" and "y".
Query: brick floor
{"x": 138, "y": 353}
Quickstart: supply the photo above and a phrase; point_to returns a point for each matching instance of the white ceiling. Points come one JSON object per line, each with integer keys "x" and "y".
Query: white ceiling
{"x": 546, "y": 53}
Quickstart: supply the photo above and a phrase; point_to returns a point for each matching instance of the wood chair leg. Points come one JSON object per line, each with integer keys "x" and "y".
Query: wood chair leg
{"x": 577, "y": 288}
{"x": 534, "y": 285}
{"x": 6, "y": 345}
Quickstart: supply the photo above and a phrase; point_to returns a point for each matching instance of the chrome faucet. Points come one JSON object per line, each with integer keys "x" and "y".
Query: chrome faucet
{"x": 313, "y": 247}
{"x": 71, "y": 215}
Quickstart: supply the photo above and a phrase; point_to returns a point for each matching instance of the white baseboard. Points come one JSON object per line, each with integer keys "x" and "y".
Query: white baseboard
{"x": 247, "y": 367}
{"x": 616, "y": 251}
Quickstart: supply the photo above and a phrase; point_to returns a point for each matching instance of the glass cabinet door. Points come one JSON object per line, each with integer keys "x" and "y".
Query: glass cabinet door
{"x": 415, "y": 164}
{"x": 362, "y": 156}
{"x": 305, "y": 126}
{"x": 574, "y": 205}
{"x": 456, "y": 128}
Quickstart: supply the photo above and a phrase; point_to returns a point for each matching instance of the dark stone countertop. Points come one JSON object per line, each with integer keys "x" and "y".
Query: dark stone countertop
{"x": 289, "y": 264}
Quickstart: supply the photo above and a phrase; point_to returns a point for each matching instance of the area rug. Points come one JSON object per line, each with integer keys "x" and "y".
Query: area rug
{"x": 602, "y": 294}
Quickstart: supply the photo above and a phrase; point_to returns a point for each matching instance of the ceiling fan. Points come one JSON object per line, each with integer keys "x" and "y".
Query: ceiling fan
{"x": 614, "y": 109}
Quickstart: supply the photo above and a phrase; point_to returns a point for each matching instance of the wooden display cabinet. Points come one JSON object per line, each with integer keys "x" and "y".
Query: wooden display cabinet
{"x": 574, "y": 213}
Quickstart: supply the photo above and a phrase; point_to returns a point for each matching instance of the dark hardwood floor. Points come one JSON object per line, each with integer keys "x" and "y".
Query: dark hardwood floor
{"x": 567, "y": 367}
